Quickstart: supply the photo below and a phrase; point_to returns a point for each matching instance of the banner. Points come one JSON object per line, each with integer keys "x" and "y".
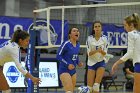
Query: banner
{"x": 9, "y": 24}
{"x": 47, "y": 73}
{"x": 117, "y": 36}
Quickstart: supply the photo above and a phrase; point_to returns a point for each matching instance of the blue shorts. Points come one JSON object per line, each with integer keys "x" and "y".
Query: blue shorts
{"x": 137, "y": 67}
{"x": 66, "y": 70}
{"x": 97, "y": 65}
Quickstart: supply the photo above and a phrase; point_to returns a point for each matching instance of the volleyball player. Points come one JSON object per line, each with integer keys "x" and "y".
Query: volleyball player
{"x": 132, "y": 26}
{"x": 10, "y": 51}
{"x": 68, "y": 59}
{"x": 97, "y": 46}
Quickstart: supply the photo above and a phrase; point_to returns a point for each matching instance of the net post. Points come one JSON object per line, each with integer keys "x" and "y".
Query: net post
{"x": 48, "y": 26}
{"x": 32, "y": 63}
{"x": 63, "y": 14}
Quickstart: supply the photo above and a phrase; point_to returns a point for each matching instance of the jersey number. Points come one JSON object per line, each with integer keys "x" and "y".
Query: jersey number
{"x": 74, "y": 57}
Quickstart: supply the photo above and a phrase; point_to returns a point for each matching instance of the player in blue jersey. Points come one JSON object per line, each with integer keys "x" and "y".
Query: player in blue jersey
{"x": 132, "y": 26}
{"x": 10, "y": 51}
{"x": 97, "y": 46}
{"x": 68, "y": 59}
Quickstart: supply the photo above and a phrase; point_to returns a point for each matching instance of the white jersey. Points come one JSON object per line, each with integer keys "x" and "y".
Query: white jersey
{"x": 133, "y": 50}
{"x": 93, "y": 44}
{"x": 10, "y": 51}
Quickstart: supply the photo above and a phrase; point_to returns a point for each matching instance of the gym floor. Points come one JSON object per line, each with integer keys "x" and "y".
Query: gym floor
{"x": 60, "y": 90}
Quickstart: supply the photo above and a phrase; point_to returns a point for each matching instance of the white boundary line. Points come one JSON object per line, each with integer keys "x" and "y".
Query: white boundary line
{"x": 82, "y": 46}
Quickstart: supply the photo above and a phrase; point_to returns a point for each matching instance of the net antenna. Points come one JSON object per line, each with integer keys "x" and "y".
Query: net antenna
{"x": 108, "y": 13}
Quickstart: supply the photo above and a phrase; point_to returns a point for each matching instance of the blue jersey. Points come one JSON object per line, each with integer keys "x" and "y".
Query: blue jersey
{"x": 68, "y": 54}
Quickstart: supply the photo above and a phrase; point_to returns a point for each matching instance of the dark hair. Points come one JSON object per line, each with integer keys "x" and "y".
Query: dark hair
{"x": 70, "y": 31}
{"x": 133, "y": 19}
{"x": 93, "y": 32}
{"x": 19, "y": 34}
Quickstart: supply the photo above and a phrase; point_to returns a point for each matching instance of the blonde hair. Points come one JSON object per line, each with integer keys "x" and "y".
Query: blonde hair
{"x": 133, "y": 19}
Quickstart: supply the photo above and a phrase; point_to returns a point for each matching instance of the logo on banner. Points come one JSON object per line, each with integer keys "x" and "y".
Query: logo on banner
{"x": 44, "y": 32}
{"x": 12, "y": 74}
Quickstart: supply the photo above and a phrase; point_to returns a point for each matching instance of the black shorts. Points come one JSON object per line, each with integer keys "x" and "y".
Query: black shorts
{"x": 1, "y": 67}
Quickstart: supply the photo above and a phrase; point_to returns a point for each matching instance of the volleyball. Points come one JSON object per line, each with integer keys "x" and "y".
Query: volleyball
{"x": 83, "y": 89}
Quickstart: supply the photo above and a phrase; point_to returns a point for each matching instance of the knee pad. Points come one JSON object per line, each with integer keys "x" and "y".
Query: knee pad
{"x": 90, "y": 88}
{"x": 7, "y": 91}
{"x": 96, "y": 87}
{"x": 69, "y": 92}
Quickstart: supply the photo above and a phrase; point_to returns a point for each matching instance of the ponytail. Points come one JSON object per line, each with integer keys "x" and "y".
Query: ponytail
{"x": 137, "y": 20}
{"x": 133, "y": 19}
{"x": 19, "y": 34}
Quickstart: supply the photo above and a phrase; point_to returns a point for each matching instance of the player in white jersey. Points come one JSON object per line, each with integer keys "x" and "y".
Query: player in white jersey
{"x": 10, "y": 51}
{"x": 132, "y": 26}
{"x": 97, "y": 46}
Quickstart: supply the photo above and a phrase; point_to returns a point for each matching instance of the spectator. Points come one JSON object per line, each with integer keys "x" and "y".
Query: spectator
{"x": 129, "y": 69}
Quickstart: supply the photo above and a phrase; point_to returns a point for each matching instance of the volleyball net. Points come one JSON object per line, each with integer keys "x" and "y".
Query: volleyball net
{"x": 82, "y": 17}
